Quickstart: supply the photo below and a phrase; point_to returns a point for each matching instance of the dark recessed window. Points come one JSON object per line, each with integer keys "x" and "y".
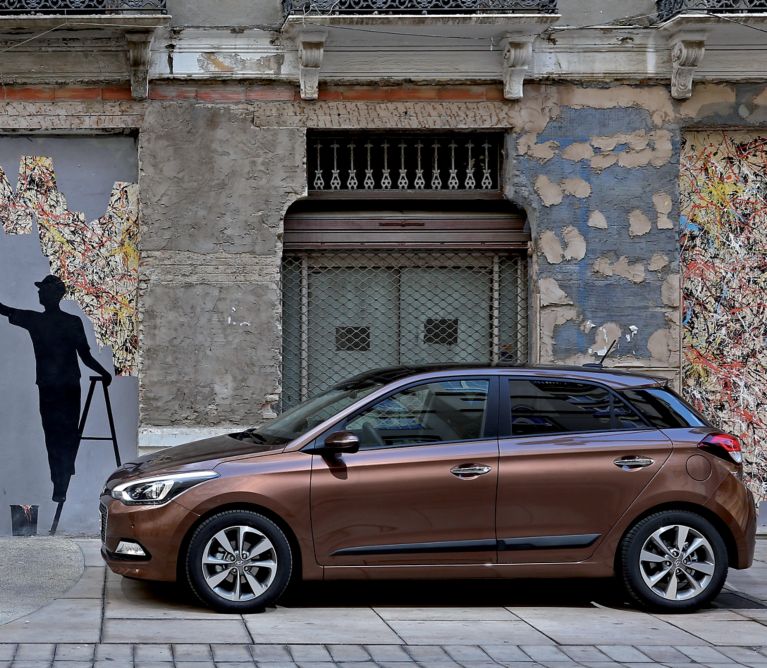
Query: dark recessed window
{"x": 440, "y": 331}
{"x": 353, "y": 338}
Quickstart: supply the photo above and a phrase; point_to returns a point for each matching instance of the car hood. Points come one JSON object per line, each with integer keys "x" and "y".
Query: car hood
{"x": 204, "y": 454}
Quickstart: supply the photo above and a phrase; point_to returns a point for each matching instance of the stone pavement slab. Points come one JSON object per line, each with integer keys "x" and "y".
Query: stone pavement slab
{"x": 22, "y": 590}
{"x": 721, "y": 631}
{"x": 320, "y": 625}
{"x": 510, "y": 632}
{"x": 174, "y": 630}
{"x": 66, "y": 620}
{"x": 591, "y": 626}
{"x": 133, "y": 599}
{"x": 443, "y": 614}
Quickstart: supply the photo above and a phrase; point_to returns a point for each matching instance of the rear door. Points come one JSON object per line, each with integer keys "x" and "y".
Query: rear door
{"x": 422, "y": 487}
{"x": 573, "y": 457}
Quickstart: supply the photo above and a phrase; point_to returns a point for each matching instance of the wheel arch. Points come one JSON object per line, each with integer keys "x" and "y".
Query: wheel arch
{"x": 705, "y": 513}
{"x": 295, "y": 545}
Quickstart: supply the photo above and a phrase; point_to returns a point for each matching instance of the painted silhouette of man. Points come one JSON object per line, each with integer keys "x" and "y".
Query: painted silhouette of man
{"x": 57, "y": 339}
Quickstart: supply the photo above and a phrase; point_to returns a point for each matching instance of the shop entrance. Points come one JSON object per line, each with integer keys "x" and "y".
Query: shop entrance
{"x": 368, "y": 289}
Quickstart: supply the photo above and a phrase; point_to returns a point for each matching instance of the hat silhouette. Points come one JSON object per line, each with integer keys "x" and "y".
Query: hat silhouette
{"x": 52, "y": 283}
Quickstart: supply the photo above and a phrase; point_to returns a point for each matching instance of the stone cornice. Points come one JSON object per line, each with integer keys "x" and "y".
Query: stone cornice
{"x": 62, "y": 48}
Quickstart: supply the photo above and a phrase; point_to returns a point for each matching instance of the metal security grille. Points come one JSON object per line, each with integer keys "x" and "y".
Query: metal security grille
{"x": 349, "y": 312}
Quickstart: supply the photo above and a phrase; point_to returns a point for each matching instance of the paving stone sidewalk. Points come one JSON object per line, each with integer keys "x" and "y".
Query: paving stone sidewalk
{"x": 107, "y": 621}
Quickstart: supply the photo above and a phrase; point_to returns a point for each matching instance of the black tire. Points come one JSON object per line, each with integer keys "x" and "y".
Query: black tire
{"x": 228, "y": 595}
{"x": 634, "y": 567}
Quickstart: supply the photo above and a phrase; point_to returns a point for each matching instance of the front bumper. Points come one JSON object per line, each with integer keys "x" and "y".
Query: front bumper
{"x": 159, "y": 530}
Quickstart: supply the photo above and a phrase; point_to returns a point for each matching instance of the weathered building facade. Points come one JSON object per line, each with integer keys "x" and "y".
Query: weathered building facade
{"x": 313, "y": 190}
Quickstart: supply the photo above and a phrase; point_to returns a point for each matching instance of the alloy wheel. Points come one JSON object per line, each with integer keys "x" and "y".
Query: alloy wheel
{"x": 677, "y": 562}
{"x": 239, "y": 563}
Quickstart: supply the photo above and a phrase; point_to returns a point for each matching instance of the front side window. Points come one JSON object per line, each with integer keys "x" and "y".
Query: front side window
{"x": 435, "y": 412}
{"x": 561, "y": 406}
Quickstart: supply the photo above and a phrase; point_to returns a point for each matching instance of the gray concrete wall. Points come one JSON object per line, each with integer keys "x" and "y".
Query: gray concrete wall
{"x": 599, "y": 12}
{"x": 228, "y": 13}
{"x": 215, "y": 191}
{"x": 86, "y": 169}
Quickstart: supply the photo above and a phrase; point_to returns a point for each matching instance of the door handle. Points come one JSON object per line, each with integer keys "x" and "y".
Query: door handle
{"x": 631, "y": 462}
{"x": 470, "y": 471}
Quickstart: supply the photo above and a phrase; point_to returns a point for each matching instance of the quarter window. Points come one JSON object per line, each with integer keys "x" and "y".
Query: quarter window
{"x": 449, "y": 410}
{"x": 557, "y": 406}
{"x": 664, "y": 409}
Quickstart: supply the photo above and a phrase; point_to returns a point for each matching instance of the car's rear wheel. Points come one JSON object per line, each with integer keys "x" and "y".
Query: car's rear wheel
{"x": 673, "y": 560}
{"x": 238, "y": 561}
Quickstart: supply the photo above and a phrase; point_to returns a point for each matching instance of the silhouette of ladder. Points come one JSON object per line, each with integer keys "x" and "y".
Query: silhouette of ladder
{"x": 81, "y": 428}
{"x": 113, "y": 435}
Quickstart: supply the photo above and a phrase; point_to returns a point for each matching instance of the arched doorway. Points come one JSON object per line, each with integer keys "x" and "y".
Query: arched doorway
{"x": 383, "y": 283}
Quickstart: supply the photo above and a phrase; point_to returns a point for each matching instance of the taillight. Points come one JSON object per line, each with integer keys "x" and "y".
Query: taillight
{"x": 723, "y": 445}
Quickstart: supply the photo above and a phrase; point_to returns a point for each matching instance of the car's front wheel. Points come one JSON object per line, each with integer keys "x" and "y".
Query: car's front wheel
{"x": 238, "y": 561}
{"x": 673, "y": 560}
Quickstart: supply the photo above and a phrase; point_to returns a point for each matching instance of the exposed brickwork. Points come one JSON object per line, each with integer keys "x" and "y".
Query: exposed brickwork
{"x": 223, "y": 93}
{"x": 64, "y": 93}
{"x": 276, "y": 92}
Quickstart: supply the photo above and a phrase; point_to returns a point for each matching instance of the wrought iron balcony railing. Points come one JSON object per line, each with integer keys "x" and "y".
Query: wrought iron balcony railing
{"x": 669, "y": 8}
{"x": 333, "y": 7}
{"x": 82, "y": 6}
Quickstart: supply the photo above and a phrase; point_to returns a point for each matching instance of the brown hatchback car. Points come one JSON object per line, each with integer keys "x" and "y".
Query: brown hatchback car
{"x": 449, "y": 472}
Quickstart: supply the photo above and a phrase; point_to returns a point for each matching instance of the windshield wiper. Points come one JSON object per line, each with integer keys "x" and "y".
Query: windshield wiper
{"x": 255, "y": 436}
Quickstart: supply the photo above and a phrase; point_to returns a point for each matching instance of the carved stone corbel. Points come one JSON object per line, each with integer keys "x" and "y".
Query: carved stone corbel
{"x": 687, "y": 51}
{"x": 311, "y": 49}
{"x": 517, "y": 55}
{"x": 139, "y": 43}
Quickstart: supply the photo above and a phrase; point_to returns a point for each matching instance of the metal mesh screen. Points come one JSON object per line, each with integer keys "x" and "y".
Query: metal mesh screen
{"x": 345, "y": 313}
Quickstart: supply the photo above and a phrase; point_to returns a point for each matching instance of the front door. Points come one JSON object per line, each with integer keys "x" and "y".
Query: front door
{"x": 421, "y": 489}
{"x": 561, "y": 484}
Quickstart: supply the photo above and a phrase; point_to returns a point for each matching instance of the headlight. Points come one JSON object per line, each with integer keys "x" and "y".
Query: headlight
{"x": 160, "y": 489}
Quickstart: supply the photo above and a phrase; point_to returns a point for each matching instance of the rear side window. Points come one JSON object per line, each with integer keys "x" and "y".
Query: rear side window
{"x": 560, "y": 406}
{"x": 663, "y": 409}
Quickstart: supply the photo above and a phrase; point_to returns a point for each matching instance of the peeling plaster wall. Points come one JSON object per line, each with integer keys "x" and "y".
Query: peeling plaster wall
{"x": 602, "y": 198}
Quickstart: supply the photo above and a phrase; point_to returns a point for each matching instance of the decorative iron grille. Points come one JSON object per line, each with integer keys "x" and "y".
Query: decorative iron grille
{"x": 466, "y": 161}
{"x": 81, "y": 6}
{"x": 421, "y": 6}
{"x": 668, "y": 8}
{"x": 345, "y": 313}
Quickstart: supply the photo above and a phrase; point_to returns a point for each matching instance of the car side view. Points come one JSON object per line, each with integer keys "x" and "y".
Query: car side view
{"x": 446, "y": 472}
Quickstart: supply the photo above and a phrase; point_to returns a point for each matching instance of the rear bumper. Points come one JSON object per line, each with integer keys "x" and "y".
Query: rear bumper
{"x": 734, "y": 504}
{"x": 159, "y": 530}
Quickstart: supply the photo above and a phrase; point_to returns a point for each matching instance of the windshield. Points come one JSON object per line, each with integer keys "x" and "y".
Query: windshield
{"x": 308, "y": 414}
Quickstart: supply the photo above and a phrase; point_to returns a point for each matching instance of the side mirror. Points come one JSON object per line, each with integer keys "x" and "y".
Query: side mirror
{"x": 340, "y": 442}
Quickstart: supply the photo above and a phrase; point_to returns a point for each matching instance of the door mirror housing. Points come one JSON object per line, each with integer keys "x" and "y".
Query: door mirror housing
{"x": 340, "y": 442}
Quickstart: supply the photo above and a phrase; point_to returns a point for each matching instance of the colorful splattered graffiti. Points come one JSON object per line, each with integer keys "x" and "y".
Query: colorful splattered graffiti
{"x": 97, "y": 260}
{"x": 723, "y": 193}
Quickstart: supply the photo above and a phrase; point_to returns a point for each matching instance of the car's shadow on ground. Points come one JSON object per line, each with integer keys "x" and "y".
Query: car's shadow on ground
{"x": 456, "y": 593}
{"x": 578, "y": 593}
